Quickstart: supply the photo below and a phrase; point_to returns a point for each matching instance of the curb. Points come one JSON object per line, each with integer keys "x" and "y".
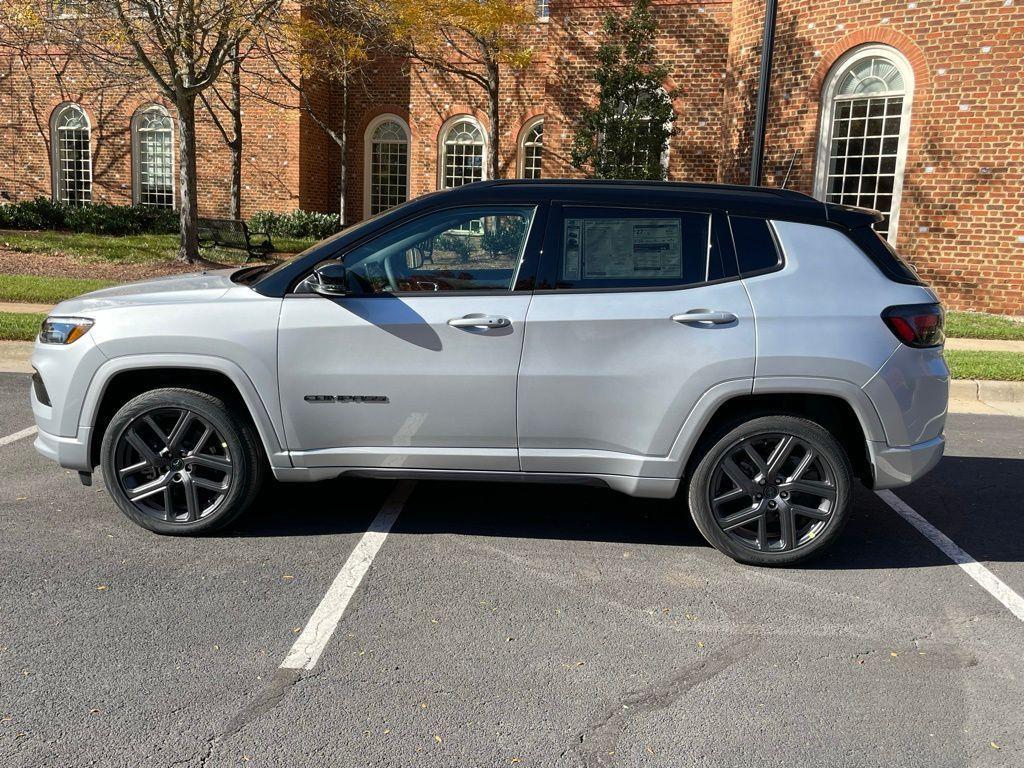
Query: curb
{"x": 14, "y": 356}
{"x": 987, "y": 391}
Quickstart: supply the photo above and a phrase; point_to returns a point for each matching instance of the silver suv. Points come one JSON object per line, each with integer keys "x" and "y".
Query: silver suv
{"x": 750, "y": 350}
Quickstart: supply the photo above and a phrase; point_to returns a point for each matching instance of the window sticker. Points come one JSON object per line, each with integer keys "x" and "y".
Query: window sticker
{"x": 611, "y": 249}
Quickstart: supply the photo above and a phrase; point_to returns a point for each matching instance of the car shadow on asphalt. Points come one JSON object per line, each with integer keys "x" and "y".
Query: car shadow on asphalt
{"x": 964, "y": 497}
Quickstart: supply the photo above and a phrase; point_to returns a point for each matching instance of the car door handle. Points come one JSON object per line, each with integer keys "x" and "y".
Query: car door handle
{"x": 704, "y": 316}
{"x": 480, "y": 321}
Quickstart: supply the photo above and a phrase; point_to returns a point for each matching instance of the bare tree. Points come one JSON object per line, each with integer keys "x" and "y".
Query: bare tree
{"x": 327, "y": 45}
{"x": 181, "y": 46}
{"x": 470, "y": 39}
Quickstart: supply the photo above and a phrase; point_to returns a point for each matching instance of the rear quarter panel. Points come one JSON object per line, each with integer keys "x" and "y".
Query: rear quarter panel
{"x": 820, "y": 316}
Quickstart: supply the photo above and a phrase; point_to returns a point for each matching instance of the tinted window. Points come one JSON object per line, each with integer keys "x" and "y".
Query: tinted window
{"x": 756, "y": 249}
{"x": 614, "y": 248}
{"x": 461, "y": 249}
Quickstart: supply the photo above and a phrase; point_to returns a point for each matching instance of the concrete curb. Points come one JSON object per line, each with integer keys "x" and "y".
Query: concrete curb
{"x": 14, "y": 356}
{"x": 987, "y": 391}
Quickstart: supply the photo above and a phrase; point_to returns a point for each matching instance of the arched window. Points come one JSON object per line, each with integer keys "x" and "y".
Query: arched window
{"x": 387, "y": 164}
{"x": 72, "y": 155}
{"x": 153, "y": 157}
{"x": 865, "y": 122}
{"x": 462, "y": 152}
{"x": 531, "y": 143}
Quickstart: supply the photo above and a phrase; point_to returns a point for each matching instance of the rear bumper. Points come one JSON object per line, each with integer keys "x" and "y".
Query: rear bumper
{"x": 69, "y": 452}
{"x": 895, "y": 467}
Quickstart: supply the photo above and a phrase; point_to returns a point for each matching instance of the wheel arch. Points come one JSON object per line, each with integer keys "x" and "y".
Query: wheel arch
{"x": 841, "y": 407}
{"x": 121, "y": 379}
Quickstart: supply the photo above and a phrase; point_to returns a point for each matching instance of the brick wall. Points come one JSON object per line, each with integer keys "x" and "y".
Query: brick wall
{"x": 962, "y": 213}
{"x": 30, "y": 91}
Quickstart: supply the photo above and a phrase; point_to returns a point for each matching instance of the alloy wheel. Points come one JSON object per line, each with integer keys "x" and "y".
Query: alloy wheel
{"x": 173, "y": 465}
{"x": 773, "y": 492}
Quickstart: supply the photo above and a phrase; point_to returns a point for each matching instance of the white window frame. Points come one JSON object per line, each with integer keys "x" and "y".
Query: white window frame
{"x": 137, "y": 155}
{"x": 526, "y": 130}
{"x": 543, "y": 9}
{"x": 442, "y": 147}
{"x": 828, "y": 102}
{"x": 368, "y": 156}
{"x": 55, "y": 147}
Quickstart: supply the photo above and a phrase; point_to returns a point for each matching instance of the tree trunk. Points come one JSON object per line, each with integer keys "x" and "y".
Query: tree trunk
{"x": 493, "y": 105}
{"x": 236, "y": 135}
{"x": 188, "y": 249}
{"x": 343, "y": 181}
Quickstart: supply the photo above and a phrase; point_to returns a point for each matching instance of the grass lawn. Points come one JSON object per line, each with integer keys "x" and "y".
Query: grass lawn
{"x": 18, "y": 326}
{"x": 977, "y": 325}
{"x": 129, "y": 249}
{"x": 999, "y": 366}
{"x": 45, "y": 290}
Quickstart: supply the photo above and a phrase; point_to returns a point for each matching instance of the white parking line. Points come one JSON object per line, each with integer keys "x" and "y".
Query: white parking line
{"x": 321, "y": 625}
{"x": 988, "y": 580}
{"x": 27, "y": 432}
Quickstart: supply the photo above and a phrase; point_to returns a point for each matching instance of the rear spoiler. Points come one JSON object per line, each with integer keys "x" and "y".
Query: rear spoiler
{"x": 851, "y": 217}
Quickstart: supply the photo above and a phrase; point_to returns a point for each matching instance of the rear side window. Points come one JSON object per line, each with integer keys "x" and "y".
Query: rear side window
{"x": 622, "y": 249}
{"x": 884, "y": 256}
{"x": 756, "y": 249}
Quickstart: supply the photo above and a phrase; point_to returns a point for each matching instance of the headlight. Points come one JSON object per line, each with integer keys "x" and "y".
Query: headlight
{"x": 63, "y": 330}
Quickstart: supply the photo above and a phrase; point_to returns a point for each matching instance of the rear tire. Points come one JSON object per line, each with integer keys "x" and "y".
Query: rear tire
{"x": 774, "y": 490}
{"x": 181, "y": 462}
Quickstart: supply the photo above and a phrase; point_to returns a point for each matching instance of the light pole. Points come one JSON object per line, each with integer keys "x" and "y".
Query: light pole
{"x": 764, "y": 77}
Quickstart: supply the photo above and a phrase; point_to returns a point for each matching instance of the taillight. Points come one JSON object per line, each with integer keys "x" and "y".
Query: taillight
{"x": 916, "y": 325}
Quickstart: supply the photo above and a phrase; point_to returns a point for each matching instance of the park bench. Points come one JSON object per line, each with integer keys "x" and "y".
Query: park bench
{"x": 234, "y": 233}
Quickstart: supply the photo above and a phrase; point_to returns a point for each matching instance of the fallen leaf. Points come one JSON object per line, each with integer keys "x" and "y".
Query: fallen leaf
{"x": 994, "y": 745}
{"x": 103, "y": 587}
{"x": 437, "y": 738}
{"x": 287, "y": 576}
{"x": 893, "y": 654}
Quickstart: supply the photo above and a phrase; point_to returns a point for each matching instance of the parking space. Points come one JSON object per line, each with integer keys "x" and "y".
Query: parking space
{"x": 507, "y": 625}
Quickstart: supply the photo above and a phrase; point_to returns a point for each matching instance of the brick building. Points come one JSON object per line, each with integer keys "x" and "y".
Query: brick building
{"x": 914, "y": 108}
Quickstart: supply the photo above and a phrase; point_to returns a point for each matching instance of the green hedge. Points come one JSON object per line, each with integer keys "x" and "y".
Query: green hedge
{"x": 97, "y": 219}
{"x": 297, "y": 224}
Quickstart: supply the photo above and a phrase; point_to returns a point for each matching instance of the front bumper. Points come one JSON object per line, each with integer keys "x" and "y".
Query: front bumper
{"x": 69, "y": 452}
{"x": 895, "y": 467}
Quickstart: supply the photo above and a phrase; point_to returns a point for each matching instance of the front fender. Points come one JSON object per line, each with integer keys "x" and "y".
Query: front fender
{"x": 267, "y": 418}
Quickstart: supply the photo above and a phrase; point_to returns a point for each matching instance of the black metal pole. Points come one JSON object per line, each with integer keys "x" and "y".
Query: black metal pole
{"x": 765, "y": 76}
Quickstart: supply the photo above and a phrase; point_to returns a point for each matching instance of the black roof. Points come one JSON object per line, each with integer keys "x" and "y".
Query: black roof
{"x": 733, "y": 198}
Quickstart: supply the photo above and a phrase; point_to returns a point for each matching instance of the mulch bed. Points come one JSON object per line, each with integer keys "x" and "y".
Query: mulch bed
{"x": 64, "y": 265}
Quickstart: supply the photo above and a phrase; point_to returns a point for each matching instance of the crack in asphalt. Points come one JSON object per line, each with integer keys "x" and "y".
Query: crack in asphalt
{"x": 599, "y": 748}
{"x": 282, "y": 681}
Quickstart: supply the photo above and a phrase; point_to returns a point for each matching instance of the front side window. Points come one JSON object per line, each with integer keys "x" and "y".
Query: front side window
{"x": 462, "y": 153}
{"x": 865, "y": 124}
{"x": 387, "y": 160}
{"x": 153, "y": 176}
{"x": 72, "y": 155}
{"x": 462, "y": 249}
{"x": 530, "y": 148}
{"x": 623, "y": 249}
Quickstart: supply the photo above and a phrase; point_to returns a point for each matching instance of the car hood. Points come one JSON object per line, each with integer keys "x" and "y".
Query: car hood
{"x": 176, "y": 289}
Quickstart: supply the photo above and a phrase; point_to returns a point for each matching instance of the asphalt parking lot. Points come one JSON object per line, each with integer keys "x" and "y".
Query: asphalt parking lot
{"x": 508, "y": 625}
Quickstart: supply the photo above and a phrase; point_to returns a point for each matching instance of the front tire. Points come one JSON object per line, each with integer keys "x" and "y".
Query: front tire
{"x": 772, "y": 491}
{"x": 181, "y": 462}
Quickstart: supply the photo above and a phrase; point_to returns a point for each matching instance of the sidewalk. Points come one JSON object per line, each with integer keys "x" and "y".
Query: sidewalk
{"x": 10, "y": 306}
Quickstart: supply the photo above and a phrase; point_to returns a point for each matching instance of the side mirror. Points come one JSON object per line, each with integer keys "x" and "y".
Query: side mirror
{"x": 330, "y": 279}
